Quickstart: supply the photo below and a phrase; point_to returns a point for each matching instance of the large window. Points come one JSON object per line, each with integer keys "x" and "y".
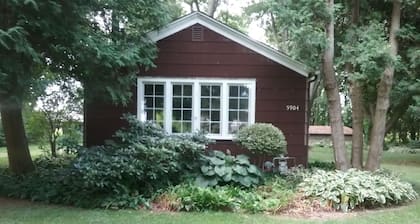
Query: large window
{"x": 217, "y": 106}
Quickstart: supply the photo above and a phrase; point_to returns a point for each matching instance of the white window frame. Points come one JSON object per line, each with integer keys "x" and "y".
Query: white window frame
{"x": 196, "y": 83}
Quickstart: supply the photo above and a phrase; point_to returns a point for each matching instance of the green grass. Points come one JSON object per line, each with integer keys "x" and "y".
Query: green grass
{"x": 34, "y": 149}
{"x": 408, "y": 165}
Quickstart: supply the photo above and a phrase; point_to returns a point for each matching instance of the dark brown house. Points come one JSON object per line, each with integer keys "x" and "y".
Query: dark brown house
{"x": 211, "y": 77}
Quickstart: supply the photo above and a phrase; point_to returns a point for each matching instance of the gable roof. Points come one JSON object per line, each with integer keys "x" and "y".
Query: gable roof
{"x": 230, "y": 33}
{"x": 326, "y": 130}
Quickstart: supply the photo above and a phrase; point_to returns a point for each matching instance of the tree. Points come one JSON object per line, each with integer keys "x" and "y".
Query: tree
{"x": 383, "y": 93}
{"x": 361, "y": 54}
{"x": 61, "y": 103}
{"x": 100, "y": 43}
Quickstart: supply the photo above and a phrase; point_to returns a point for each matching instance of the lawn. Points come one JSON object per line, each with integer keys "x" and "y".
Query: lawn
{"x": 34, "y": 149}
{"x": 408, "y": 165}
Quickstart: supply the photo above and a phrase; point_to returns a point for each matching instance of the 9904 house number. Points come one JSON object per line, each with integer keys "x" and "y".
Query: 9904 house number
{"x": 292, "y": 107}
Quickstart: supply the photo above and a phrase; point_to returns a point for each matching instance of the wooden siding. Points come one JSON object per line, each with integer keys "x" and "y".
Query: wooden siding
{"x": 218, "y": 57}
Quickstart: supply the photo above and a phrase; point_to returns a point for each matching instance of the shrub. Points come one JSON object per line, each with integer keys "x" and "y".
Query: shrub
{"x": 354, "y": 188}
{"x": 121, "y": 174}
{"x": 321, "y": 165}
{"x": 262, "y": 138}
{"x": 221, "y": 169}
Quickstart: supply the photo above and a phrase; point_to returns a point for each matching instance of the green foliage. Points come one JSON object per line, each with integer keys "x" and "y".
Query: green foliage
{"x": 354, "y": 188}
{"x": 321, "y": 165}
{"x": 296, "y": 27}
{"x": 221, "y": 169}
{"x": 121, "y": 174}
{"x": 2, "y": 137}
{"x": 275, "y": 195}
{"x": 262, "y": 138}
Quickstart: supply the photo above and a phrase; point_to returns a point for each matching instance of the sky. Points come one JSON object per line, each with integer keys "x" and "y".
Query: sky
{"x": 235, "y": 7}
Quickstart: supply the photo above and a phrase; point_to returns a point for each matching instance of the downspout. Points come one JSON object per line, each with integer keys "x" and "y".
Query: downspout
{"x": 309, "y": 87}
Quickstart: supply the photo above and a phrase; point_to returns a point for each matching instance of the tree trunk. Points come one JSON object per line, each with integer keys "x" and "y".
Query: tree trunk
{"x": 333, "y": 96}
{"x": 356, "y": 96}
{"x": 20, "y": 160}
{"x": 212, "y": 6}
{"x": 382, "y": 99}
{"x": 357, "y": 117}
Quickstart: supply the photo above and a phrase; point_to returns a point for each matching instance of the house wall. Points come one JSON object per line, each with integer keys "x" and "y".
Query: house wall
{"x": 218, "y": 57}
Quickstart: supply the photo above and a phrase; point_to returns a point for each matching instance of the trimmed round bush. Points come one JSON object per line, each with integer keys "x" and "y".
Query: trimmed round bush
{"x": 262, "y": 138}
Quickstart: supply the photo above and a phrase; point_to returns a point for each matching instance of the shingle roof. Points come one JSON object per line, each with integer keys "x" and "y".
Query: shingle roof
{"x": 326, "y": 130}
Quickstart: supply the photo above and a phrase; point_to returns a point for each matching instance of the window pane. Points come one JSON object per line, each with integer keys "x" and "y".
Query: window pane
{"x": 233, "y": 104}
{"x": 186, "y": 116}
{"x": 234, "y": 127}
{"x": 205, "y": 126}
{"x": 186, "y": 127}
{"x": 215, "y": 91}
{"x": 148, "y": 89}
{"x": 243, "y": 116}
{"x": 205, "y": 103}
{"x": 205, "y": 115}
{"x": 187, "y": 102}
{"x": 176, "y": 102}
{"x": 215, "y": 103}
{"x": 176, "y": 115}
{"x": 233, "y": 91}
{"x": 243, "y": 104}
{"x": 149, "y": 114}
{"x": 215, "y": 128}
{"x": 159, "y": 90}
{"x": 159, "y": 115}
{"x": 159, "y": 102}
{"x": 215, "y": 116}
{"x": 233, "y": 115}
{"x": 149, "y": 102}
{"x": 177, "y": 90}
{"x": 205, "y": 90}
{"x": 176, "y": 126}
{"x": 244, "y": 91}
{"x": 187, "y": 90}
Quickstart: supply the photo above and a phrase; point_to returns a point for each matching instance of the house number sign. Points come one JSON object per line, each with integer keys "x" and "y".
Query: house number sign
{"x": 292, "y": 107}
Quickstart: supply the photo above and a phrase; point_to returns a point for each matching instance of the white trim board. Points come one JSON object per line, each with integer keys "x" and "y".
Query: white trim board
{"x": 230, "y": 33}
{"x": 196, "y": 82}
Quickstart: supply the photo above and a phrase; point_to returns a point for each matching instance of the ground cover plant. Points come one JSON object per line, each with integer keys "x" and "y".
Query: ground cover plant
{"x": 271, "y": 197}
{"x": 219, "y": 168}
{"x": 407, "y": 165}
{"x": 355, "y": 188}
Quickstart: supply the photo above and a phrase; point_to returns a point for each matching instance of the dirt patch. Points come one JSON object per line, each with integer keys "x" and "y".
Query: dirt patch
{"x": 303, "y": 208}
{"x": 10, "y": 202}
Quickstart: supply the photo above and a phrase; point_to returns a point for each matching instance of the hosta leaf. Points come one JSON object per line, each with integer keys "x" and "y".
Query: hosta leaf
{"x": 220, "y": 170}
{"x": 246, "y": 181}
{"x": 242, "y": 159}
{"x": 240, "y": 170}
{"x": 227, "y": 177}
{"x": 205, "y": 182}
{"x": 216, "y": 161}
{"x": 253, "y": 169}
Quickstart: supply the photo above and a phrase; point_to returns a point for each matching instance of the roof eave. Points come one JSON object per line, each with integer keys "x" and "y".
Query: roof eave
{"x": 232, "y": 34}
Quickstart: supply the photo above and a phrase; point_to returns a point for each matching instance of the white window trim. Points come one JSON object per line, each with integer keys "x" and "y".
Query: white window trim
{"x": 224, "y": 82}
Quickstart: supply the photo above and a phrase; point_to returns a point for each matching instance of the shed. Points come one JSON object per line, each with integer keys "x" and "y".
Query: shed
{"x": 322, "y": 133}
{"x": 211, "y": 77}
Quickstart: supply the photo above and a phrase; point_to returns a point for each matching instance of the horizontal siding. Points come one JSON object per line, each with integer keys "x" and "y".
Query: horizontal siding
{"x": 219, "y": 57}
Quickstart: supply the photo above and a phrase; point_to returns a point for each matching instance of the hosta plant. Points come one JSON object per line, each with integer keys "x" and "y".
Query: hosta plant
{"x": 355, "y": 188}
{"x": 219, "y": 168}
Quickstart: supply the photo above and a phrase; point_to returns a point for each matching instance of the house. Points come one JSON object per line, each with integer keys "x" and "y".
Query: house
{"x": 211, "y": 77}
{"x": 321, "y": 133}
